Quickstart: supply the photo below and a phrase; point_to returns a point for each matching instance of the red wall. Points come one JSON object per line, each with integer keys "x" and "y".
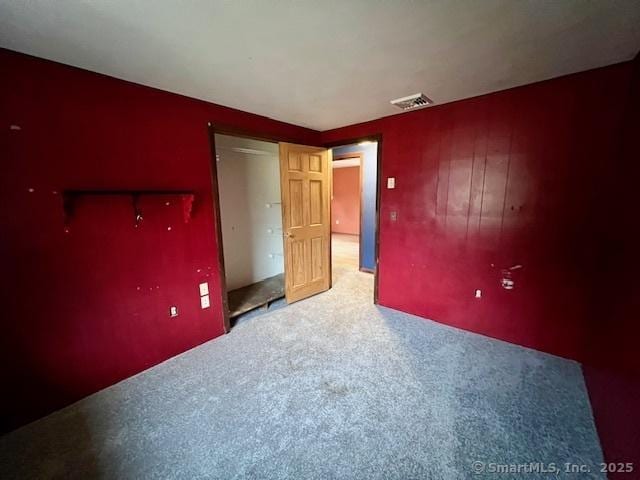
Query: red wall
{"x": 612, "y": 366}
{"x": 511, "y": 178}
{"x": 345, "y": 202}
{"x": 83, "y": 310}
{"x": 544, "y": 176}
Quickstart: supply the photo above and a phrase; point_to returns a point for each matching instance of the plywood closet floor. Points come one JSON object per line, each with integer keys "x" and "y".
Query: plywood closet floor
{"x": 244, "y": 299}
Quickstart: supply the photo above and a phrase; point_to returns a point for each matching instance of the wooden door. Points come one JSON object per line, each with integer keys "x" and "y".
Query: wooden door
{"x": 305, "y": 183}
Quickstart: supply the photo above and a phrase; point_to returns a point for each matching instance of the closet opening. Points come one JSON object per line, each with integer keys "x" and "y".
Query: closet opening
{"x": 248, "y": 180}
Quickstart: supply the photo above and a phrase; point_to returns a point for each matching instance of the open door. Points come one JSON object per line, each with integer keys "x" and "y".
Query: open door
{"x": 305, "y": 184}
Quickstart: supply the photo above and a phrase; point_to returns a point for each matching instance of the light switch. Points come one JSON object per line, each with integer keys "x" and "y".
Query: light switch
{"x": 204, "y": 301}
{"x": 173, "y": 311}
{"x": 204, "y": 289}
{"x": 391, "y": 182}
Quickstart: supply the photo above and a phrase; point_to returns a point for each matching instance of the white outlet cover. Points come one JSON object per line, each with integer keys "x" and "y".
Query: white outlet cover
{"x": 173, "y": 311}
{"x": 204, "y": 301}
{"x": 204, "y": 288}
{"x": 391, "y": 182}
{"x": 478, "y": 293}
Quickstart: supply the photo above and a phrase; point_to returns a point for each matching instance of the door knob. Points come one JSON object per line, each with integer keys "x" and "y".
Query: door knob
{"x": 288, "y": 234}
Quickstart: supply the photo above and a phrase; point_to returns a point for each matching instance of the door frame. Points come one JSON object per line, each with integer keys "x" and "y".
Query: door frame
{"x": 360, "y": 157}
{"x": 376, "y": 137}
{"x": 223, "y": 129}
{"x": 213, "y": 129}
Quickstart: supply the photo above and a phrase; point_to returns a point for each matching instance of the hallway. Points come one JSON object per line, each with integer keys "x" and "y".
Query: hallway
{"x": 345, "y": 251}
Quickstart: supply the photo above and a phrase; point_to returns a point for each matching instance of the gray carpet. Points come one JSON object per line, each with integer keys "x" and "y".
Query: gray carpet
{"x": 328, "y": 388}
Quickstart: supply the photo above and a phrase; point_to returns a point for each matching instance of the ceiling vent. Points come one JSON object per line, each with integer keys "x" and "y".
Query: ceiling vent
{"x": 412, "y": 102}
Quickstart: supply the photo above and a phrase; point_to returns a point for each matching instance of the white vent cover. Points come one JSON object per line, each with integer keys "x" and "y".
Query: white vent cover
{"x": 412, "y": 102}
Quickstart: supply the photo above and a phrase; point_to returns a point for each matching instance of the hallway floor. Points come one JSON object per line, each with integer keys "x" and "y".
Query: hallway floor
{"x": 345, "y": 251}
{"x": 331, "y": 387}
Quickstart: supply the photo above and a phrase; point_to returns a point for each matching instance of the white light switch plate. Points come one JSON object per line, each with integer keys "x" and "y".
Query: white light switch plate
{"x": 204, "y": 301}
{"x": 391, "y": 182}
{"x": 204, "y": 288}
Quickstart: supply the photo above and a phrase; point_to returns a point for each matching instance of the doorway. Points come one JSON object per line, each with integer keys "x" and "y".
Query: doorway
{"x": 249, "y": 199}
{"x": 296, "y": 238}
{"x": 346, "y": 210}
{"x": 272, "y": 220}
{"x": 354, "y": 206}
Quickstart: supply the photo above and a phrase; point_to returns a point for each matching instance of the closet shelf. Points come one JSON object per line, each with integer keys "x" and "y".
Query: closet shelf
{"x": 70, "y": 197}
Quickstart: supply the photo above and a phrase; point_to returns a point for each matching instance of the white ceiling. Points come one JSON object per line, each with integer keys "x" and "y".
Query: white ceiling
{"x": 325, "y": 63}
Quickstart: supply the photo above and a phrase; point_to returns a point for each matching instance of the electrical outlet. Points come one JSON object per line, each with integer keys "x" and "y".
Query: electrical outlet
{"x": 478, "y": 293}
{"x": 391, "y": 183}
{"x": 393, "y": 216}
{"x": 204, "y": 288}
{"x": 204, "y": 301}
{"x": 173, "y": 311}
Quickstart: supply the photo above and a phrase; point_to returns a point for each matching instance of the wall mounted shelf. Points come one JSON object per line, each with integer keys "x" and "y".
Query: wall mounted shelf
{"x": 70, "y": 198}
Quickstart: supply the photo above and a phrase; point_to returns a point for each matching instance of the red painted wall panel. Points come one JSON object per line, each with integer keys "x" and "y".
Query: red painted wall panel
{"x": 485, "y": 184}
{"x": 345, "y": 201}
{"x": 612, "y": 366}
{"x": 83, "y": 310}
{"x": 544, "y": 176}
